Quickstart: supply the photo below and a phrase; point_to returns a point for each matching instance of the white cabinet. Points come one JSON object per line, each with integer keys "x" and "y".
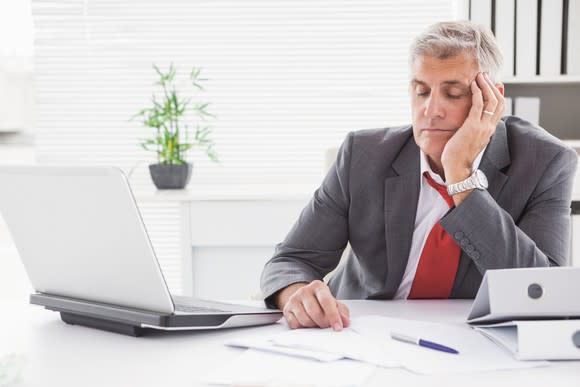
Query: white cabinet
{"x": 214, "y": 245}
{"x": 233, "y": 239}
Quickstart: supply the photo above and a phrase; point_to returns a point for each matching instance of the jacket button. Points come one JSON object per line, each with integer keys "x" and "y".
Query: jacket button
{"x": 464, "y": 242}
{"x": 458, "y": 235}
{"x": 469, "y": 248}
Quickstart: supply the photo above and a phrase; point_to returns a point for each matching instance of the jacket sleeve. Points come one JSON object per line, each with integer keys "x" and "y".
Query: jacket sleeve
{"x": 539, "y": 237}
{"x": 315, "y": 243}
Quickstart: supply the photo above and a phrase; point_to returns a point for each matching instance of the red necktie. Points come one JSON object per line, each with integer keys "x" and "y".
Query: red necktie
{"x": 439, "y": 259}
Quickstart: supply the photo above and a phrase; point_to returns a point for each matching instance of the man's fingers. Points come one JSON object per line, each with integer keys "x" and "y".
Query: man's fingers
{"x": 303, "y": 318}
{"x": 489, "y": 98}
{"x": 291, "y": 320}
{"x": 296, "y": 316}
{"x": 344, "y": 313}
{"x": 476, "y": 102}
{"x": 294, "y": 311}
{"x": 314, "y": 305}
{"x": 499, "y": 109}
{"x": 328, "y": 304}
{"x": 315, "y": 312}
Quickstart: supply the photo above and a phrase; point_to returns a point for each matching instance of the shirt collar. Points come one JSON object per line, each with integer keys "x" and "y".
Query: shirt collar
{"x": 425, "y": 167}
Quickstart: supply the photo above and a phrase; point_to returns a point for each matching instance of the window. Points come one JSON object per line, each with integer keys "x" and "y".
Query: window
{"x": 16, "y": 97}
{"x": 287, "y": 79}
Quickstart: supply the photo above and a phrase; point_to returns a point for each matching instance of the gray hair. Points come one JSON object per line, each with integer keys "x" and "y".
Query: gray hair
{"x": 448, "y": 39}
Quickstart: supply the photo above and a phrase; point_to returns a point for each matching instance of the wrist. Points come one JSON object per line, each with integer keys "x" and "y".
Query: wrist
{"x": 456, "y": 174}
{"x": 282, "y": 297}
{"x": 460, "y": 197}
{"x": 460, "y": 190}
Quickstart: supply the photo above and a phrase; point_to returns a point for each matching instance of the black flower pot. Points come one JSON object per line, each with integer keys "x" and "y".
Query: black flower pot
{"x": 170, "y": 176}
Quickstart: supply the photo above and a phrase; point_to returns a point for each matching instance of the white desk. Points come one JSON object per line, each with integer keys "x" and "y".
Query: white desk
{"x": 62, "y": 355}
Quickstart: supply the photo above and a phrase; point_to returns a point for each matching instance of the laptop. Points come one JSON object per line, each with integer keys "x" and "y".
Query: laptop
{"x": 86, "y": 251}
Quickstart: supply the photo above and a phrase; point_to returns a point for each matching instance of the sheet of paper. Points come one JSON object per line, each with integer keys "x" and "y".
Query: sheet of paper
{"x": 259, "y": 368}
{"x": 265, "y": 344}
{"x": 322, "y": 345}
{"x": 476, "y": 352}
{"x": 368, "y": 340}
{"x": 347, "y": 343}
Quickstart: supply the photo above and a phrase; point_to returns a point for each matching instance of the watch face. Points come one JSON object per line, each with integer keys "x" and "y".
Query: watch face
{"x": 481, "y": 178}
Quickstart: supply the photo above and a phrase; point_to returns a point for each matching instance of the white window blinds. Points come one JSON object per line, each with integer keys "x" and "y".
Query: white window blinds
{"x": 287, "y": 79}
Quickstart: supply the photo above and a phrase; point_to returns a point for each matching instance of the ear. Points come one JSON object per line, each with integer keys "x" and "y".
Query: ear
{"x": 500, "y": 86}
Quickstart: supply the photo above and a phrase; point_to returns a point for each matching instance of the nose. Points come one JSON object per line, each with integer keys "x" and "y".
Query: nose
{"x": 434, "y": 107}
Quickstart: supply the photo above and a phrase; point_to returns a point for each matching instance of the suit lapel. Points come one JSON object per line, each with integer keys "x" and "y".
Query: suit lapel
{"x": 401, "y": 197}
{"x": 495, "y": 158}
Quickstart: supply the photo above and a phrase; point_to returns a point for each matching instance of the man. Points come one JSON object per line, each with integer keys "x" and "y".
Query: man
{"x": 428, "y": 208}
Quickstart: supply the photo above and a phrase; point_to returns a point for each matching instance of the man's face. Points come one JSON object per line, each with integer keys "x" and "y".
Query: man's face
{"x": 441, "y": 99}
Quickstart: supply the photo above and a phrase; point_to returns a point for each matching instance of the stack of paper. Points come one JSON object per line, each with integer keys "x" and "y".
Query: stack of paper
{"x": 323, "y": 345}
{"x": 355, "y": 352}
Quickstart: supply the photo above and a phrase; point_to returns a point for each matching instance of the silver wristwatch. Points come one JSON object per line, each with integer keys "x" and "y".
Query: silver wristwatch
{"x": 477, "y": 180}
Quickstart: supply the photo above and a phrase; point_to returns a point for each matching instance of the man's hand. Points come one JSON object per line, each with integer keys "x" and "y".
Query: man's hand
{"x": 471, "y": 138}
{"x": 312, "y": 305}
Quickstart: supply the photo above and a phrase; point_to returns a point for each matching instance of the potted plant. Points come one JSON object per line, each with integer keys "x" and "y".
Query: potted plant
{"x": 172, "y": 141}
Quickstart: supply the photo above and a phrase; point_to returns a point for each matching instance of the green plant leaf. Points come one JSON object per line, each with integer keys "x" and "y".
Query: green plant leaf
{"x": 167, "y": 115}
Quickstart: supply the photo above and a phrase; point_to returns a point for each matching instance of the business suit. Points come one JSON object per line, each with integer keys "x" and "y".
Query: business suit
{"x": 369, "y": 198}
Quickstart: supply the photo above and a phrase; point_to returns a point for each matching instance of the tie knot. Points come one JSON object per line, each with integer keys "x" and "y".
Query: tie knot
{"x": 440, "y": 188}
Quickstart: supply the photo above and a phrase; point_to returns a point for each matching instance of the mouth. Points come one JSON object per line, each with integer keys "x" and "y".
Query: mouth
{"x": 436, "y": 130}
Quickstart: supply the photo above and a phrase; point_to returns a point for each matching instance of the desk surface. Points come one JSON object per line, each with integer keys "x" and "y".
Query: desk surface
{"x": 60, "y": 355}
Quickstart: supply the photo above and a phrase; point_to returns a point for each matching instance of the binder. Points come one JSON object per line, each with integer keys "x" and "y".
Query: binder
{"x": 573, "y": 42}
{"x": 528, "y": 108}
{"x": 481, "y": 12}
{"x": 527, "y": 294}
{"x": 551, "y": 37}
{"x": 526, "y": 37}
{"x": 532, "y": 312}
{"x": 505, "y": 14}
{"x": 537, "y": 340}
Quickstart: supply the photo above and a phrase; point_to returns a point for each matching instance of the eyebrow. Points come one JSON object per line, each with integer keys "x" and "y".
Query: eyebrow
{"x": 452, "y": 82}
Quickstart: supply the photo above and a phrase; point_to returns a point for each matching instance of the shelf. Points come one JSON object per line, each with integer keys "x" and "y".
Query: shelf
{"x": 573, "y": 144}
{"x": 538, "y": 80}
{"x": 259, "y": 192}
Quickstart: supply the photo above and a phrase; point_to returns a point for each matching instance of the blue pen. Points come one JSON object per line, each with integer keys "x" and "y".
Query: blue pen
{"x": 422, "y": 343}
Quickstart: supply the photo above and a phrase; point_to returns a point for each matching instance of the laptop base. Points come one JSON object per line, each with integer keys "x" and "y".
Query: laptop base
{"x": 98, "y": 323}
{"x": 136, "y": 322}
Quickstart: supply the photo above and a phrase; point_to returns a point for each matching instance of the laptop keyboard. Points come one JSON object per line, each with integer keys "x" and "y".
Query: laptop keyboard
{"x": 198, "y": 309}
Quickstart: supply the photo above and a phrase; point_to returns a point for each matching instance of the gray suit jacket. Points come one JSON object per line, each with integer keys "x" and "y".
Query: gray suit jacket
{"x": 369, "y": 198}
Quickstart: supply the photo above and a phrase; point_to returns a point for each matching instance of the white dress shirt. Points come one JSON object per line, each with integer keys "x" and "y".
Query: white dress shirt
{"x": 431, "y": 207}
